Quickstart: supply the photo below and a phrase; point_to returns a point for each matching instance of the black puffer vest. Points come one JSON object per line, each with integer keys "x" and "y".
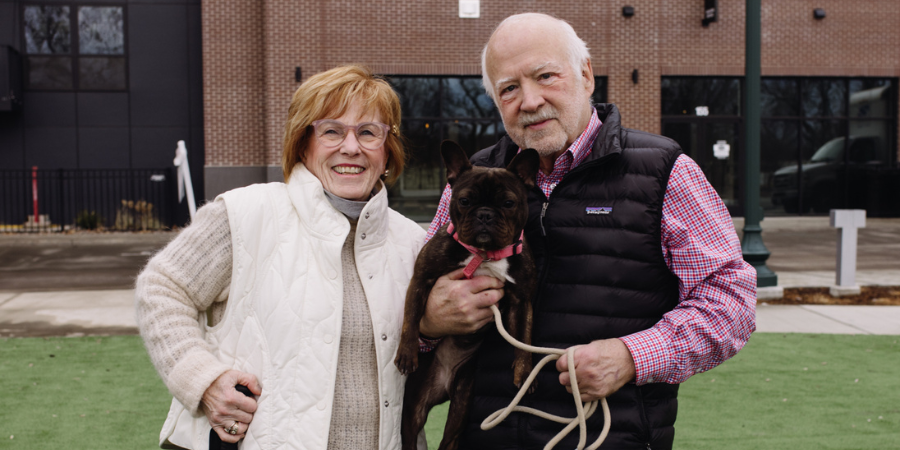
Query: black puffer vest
{"x": 597, "y": 244}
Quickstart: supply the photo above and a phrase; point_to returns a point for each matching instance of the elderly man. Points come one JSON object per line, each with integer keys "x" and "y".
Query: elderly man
{"x": 639, "y": 264}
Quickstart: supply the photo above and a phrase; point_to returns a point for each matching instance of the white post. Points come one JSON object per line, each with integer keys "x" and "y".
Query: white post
{"x": 847, "y": 221}
{"x": 184, "y": 178}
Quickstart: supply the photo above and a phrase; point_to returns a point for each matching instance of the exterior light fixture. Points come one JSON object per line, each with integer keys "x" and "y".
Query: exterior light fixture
{"x": 634, "y": 76}
{"x": 710, "y": 12}
{"x": 298, "y": 74}
{"x": 819, "y": 13}
{"x": 628, "y": 11}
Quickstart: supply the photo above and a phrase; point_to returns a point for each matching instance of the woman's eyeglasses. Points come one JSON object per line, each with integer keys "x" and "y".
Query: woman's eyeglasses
{"x": 370, "y": 135}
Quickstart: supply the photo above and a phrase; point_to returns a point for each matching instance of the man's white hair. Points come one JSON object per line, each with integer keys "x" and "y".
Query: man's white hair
{"x": 576, "y": 49}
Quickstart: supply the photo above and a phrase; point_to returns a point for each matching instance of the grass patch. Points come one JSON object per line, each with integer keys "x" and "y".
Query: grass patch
{"x": 786, "y": 391}
{"x": 797, "y": 391}
{"x": 80, "y": 393}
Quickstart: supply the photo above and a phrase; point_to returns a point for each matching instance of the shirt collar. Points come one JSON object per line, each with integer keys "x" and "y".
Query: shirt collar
{"x": 578, "y": 151}
{"x": 580, "y": 148}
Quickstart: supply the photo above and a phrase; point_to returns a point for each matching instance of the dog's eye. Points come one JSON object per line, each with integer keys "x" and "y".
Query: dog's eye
{"x": 464, "y": 201}
{"x": 509, "y": 204}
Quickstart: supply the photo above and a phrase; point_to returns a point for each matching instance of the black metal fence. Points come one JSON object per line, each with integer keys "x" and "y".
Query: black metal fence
{"x": 57, "y": 200}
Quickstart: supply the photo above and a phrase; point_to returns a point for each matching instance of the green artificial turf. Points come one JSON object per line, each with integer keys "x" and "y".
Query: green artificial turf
{"x": 79, "y": 393}
{"x": 796, "y": 391}
{"x": 783, "y": 391}
{"x": 786, "y": 391}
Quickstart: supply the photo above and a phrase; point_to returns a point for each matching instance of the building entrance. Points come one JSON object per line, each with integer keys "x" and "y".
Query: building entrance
{"x": 716, "y": 145}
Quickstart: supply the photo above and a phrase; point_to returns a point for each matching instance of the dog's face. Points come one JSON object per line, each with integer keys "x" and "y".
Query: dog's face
{"x": 489, "y": 206}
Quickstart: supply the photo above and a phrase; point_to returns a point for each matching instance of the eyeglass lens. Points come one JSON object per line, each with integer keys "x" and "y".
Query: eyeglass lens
{"x": 369, "y": 134}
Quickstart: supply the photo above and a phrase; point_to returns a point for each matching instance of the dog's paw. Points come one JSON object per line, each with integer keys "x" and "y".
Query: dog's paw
{"x": 531, "y": 387}
{"x": 407, "y": 363}
{"x": 521, "y": 370}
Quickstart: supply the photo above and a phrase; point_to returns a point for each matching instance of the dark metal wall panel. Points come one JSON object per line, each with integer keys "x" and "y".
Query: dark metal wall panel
{"x": 158, "y": 65}
{"x": 103, "y": 148}
{"x": 162, "y": 2}
{"x": 155, "y": 146}
{"x": 49, "y": 109}
{"x": 51, "y": 147}
{"x": 195, "y": 60}
{"x": 12, "y": 141}
{"x": 9, "y": 28}
{"x": 103, "y": 109}
{"x": 197, "y": 159}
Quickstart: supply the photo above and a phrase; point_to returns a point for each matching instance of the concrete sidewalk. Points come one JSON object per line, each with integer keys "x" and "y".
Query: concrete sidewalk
{"x": 803, "y": 255}
{"x": 80, "y": 313}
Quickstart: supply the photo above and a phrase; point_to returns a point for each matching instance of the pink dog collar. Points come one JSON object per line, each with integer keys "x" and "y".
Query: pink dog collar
{"x": 482, "y": 255}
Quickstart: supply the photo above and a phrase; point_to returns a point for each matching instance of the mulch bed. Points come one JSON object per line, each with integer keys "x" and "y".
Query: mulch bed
{"x": 870, "y": 295}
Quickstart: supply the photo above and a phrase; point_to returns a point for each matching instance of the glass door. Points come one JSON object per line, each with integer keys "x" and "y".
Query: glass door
{"x": 715, "y": 144}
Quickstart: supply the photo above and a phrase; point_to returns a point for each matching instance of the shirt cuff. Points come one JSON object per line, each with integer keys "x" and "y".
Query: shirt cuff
{"x": 653, "y": 361}
{"x": 192, "y": 376}
{"x": 426, "y": 345}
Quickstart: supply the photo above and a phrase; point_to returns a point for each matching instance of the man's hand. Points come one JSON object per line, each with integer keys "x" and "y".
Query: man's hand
{"x": 601, "y": 368}
{"x": 457, "y": 305}
{"x": 224, "y": 405}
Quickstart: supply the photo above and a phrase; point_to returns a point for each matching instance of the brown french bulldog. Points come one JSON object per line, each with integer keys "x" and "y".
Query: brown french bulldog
{"x": 488, "y": 211}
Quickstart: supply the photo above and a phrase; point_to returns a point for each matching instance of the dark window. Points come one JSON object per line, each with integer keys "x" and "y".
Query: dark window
{"x": 435, "y": 109}
{"x": 701, "y": 96}
{"x": 823, "y": 140}
{"x": 845, "y": 130}
{"x": 780, "y": 98}
{"x": 824, "y": 97}
{"x": 74, "y": 47}
{"x": 599, "y": 90}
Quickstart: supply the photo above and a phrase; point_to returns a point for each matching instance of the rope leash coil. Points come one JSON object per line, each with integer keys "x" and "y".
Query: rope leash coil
{"x": 584, "y": 410}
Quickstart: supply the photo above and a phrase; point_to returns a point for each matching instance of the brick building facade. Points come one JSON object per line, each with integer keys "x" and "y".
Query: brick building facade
{"x": 252, "y": 50}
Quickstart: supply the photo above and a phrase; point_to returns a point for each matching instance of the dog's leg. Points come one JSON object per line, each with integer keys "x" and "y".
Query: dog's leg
{"x": 424, "y": 389}
{"x": 518, "y": 324}
{"x": 458, "y": 414}
{"x": 407, "y": 359}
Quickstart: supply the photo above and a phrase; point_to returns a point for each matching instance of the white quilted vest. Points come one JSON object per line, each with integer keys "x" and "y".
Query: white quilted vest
{"x": 283, "y": 317}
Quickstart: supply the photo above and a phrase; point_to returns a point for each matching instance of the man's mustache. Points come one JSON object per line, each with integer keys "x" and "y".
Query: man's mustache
{"x": 547, "y": 113}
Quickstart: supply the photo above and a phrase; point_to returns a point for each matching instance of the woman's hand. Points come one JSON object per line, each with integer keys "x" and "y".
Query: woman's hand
{"x": 225, "y": 406}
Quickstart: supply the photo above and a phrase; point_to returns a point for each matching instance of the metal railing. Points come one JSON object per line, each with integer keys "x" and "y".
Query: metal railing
{"x": 40, "y": 201}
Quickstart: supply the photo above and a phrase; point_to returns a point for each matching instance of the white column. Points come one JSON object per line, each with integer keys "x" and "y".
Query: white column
{"x": 847, "y": 221}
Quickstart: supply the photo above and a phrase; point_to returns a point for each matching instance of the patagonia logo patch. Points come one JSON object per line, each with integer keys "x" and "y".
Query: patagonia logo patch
{"x": 598, "y": 210}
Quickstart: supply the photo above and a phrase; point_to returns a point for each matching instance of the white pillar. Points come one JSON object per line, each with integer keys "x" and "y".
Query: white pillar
{"x": 847, "y": 221}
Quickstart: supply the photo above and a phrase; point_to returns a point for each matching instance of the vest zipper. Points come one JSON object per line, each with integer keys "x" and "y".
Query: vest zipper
{"x": 645, "y": 421}
{"x": 542, "y": 277}
{"x": 543, "y": 213}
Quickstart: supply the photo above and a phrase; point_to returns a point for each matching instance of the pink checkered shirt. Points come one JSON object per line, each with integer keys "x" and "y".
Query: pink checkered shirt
{"x": 716, "y": 309}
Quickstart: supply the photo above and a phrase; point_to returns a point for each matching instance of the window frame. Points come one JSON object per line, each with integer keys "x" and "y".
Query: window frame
{"x": 75, "y": 54}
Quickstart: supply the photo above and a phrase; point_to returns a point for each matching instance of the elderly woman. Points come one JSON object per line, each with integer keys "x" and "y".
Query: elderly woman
{"x": 294, "y": 290}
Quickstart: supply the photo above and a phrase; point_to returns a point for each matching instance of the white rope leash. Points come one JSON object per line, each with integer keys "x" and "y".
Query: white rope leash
{"x": 584, "y": 410}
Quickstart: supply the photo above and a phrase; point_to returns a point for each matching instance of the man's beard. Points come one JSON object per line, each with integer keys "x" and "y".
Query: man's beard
{"x": 546, "y": 142}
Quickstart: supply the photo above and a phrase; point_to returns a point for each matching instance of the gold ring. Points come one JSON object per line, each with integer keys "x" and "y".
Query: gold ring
{"x": 233, "y": 429}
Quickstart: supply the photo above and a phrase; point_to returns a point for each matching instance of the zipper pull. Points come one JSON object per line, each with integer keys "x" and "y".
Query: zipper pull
{"x": 543, "y": 213}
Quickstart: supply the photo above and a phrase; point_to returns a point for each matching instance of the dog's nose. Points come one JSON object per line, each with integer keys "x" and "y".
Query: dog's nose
{"x": 485, "y": 216}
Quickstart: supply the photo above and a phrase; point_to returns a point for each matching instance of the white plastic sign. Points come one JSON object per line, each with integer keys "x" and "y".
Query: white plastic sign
{"x": 721, "y": 149}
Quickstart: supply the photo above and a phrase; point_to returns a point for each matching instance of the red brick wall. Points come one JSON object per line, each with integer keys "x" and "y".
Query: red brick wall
{"x": 251, "y": 48}
{"x": 233, "y": 96}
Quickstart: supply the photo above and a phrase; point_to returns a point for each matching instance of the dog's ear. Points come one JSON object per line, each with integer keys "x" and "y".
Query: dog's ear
{"x": 525, "y": 165}
{"x": 455, "y": 160}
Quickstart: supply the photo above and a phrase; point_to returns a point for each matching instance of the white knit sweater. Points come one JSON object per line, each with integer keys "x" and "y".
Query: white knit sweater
{"x": 188, "y": 277}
